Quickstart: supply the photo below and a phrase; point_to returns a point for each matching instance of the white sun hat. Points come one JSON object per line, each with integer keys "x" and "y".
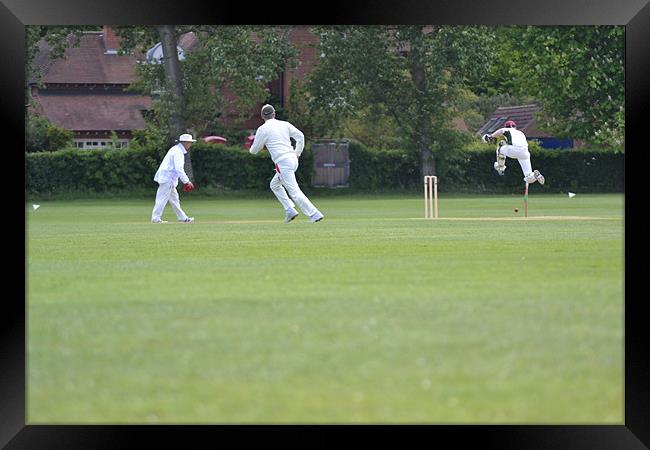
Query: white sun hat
{"x": 186, "y": 138}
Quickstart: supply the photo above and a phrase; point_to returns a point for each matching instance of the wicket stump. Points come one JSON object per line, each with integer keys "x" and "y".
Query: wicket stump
{"x": 430, "y": 197}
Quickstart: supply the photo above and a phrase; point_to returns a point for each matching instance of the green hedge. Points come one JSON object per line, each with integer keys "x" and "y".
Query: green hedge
{"x": 382, "y": 169}
{"x": 233, "y": 168}
{"x": 471, "y": 171}
{"x": 564, "y": 170}
{"x": 74, "y": 170}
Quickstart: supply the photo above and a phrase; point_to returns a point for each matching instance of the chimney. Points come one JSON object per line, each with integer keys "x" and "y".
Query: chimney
{"x": 111, "y": 42}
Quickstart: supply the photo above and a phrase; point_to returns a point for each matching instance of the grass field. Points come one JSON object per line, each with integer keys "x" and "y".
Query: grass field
{"x": 373, "y": 315}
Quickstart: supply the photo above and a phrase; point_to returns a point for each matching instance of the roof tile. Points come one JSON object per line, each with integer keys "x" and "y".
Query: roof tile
{"x": 94, "y": 112}
{"x": 89, "y": 63}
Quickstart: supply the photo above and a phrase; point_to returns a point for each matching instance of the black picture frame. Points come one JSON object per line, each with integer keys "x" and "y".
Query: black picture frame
{"x": 634, "y": 14}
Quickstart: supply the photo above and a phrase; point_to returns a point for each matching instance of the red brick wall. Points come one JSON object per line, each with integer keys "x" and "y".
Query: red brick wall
{"x": 301, "y": 37}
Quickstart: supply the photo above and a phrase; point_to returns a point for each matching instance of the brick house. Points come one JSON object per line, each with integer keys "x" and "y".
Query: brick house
{"x": 85, "y": 92}
{"x": 524, "y": 117}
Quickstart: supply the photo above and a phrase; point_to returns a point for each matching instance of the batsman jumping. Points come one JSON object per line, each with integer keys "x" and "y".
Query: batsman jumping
{"x": 514, "y": 145}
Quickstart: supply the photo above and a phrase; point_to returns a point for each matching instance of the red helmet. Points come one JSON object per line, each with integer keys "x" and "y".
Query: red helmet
{"x": 510, "y": 124}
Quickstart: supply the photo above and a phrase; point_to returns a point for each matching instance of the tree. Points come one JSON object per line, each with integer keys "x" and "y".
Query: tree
{"x": 226, "y": 72}
{"x": 174, "y": 86}
{"x": 190, "y": 94}
{"x": 173, "y": 78}
{"x": 577, "y": 73}
{"x": 414, "y": 72}
{"x": 41, "y": 135}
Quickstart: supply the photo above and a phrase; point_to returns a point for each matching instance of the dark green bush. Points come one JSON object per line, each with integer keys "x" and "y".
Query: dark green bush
{"x": 41, "y": 135}
{"x": 233, "y": 168}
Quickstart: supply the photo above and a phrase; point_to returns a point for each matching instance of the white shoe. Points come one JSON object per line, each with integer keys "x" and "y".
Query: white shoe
{"x": 501, "y": 170}
{"x": 187, "y": 220}
{"x": 291, "y": 214}
{"x": 530, "y": 179}
{"x": 316, "y": 216}
{"x": 539, "y": 177}
{"x": 158, "y": 221}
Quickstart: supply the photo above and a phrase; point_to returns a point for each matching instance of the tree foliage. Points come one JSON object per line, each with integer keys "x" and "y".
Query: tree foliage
{"x": 413, "y": 75}
{"x": 577, "y": 73}
{"x": 225, "y": 74}
{"x": 41, "y": 135}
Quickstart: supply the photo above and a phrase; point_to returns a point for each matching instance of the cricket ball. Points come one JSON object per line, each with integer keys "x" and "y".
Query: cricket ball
{"x": 516, "y": 209}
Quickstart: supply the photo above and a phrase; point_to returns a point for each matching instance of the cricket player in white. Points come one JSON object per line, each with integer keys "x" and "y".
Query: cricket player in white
{"x": 171, "y": 169}
{"x": 275, "y": 135}
{"x": 516, "y": 147}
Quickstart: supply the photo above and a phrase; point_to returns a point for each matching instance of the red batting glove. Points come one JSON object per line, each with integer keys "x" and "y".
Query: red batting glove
{"x": 188, "y": 186}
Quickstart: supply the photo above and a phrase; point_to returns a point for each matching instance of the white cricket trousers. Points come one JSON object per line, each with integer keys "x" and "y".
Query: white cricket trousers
{"x": 167, "y": 193}
{"x": 521, "y": 154}
{"x": 284, "y": 181}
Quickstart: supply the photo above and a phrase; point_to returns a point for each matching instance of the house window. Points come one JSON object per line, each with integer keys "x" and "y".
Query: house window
{"x": 106, "y": 144}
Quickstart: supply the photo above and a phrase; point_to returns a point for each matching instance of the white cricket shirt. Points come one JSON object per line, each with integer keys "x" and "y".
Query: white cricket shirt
{"x": 513, "y": 136}
{"x": 275, "y": 135}
{"x": 172, "y": 166}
